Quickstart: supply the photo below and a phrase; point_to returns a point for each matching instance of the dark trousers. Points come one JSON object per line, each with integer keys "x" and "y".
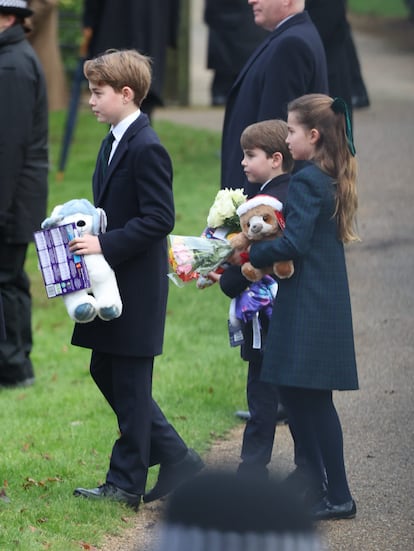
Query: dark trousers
{"x": 358, "y": 87}
{"x": 259, "y": 433}
{"x": 15, "y": 363}
{"x": 146, "y": 437}
{"x": 319, "y": 431}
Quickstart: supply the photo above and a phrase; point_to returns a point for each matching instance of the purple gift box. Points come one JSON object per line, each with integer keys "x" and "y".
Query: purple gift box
{"x": 62, "y": 271}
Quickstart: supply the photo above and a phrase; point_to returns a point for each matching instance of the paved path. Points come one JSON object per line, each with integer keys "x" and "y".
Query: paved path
{"x": 378, "y": 420}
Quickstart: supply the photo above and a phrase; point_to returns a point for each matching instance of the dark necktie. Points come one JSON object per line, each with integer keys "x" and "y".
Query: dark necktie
{"x": 105, "y": 152}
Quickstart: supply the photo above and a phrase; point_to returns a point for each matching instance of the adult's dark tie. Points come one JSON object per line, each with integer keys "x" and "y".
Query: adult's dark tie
{"x": 105, "y": 153}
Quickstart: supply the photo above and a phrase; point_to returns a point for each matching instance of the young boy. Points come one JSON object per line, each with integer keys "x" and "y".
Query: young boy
{"x": 135, "y": 189}
{"x": 267, "y": 164}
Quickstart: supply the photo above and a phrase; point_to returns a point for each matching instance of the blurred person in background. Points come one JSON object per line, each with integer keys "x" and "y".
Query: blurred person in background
{"x": 149, "y": 27}
{"x": 232, "y": 37}
{"x": 329, "y": 17}
{"x": 45, "y": 40}
{"x": 24, "y": 186}
{"x": 344, "y": 70}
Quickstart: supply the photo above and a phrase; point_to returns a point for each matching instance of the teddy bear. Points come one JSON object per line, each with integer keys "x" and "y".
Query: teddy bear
{"x": 102, "y": 298}
{"x": 261, "y": 218}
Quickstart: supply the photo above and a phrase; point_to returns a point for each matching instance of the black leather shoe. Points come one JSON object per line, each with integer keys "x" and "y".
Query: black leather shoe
{"x": 243, "y": 415}
{"x": 360, "y": 101}
{"x": 23, "y": 383}
{"x": 281, "y": 416}
{"x": 109, "y": 491}
{"x": 325, "y": 510}
{"x": 310, "y": 491}
{"x": 171, "y": 475}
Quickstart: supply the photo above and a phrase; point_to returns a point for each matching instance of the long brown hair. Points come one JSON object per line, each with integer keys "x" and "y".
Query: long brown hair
{"x": 333, "y": 155}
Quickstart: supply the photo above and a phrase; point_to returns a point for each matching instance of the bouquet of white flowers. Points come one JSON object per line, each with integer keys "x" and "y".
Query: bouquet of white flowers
{"x": 223, "y": 210}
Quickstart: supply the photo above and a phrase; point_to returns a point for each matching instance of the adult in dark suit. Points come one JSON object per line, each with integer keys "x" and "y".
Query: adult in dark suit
{"x": 329, "y": 17}
{"x": 135, "y": 190}
{"x": 232, "y": 37}
{"x": 289, "y": 63}
{"x": 149, "y": 27}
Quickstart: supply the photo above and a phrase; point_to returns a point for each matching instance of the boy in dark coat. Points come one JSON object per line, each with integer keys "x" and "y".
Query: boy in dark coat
{"x": 135, "y": 190}
{"x": 267, "y": 164}
{"x": 23, "y": 184}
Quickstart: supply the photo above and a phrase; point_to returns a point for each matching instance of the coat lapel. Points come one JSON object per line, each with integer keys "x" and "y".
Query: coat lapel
{"x": 99, "y": 186}
{"x": 299, "y": 18}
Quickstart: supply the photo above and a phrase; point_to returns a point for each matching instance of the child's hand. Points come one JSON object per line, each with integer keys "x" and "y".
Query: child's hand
{"x": 214, "y": 276}
{"x": 236, "y": 257}
{"x": 87, "y": 244}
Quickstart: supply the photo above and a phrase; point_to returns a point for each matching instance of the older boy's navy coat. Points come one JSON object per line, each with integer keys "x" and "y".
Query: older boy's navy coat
{"x": 137, "y": 197}
{"x": 289, "y": 63}
{"x": 310, "y": 341}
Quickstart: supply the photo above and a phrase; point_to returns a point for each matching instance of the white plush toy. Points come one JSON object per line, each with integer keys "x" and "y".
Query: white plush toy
{"x": 102, "y": 298}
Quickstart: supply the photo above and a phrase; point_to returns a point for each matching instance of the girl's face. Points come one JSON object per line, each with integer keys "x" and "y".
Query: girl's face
{"x": 107, "y": 105}
{"x": 257, "y": 165}
{"x": 301, "y": 141}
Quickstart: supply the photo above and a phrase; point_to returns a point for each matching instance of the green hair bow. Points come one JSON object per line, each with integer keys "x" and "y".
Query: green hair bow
{"x": 339, "y": 106}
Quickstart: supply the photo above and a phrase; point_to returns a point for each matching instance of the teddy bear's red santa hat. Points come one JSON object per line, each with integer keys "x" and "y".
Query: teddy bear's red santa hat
{"x": 262, "y": 199}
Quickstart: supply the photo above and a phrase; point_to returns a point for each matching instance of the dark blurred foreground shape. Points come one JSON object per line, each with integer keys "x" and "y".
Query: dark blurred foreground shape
{"x": 221, "y": 511}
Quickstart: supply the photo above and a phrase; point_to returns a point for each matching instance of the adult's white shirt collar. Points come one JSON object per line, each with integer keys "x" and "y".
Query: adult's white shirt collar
{"x": 284, "y": 20}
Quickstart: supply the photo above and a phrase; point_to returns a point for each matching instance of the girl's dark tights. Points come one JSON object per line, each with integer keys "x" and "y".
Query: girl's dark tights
{"x": 319, "y": 432}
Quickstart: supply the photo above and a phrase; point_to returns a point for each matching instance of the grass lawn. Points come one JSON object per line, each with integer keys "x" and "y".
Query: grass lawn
{"x": 380, "y": 8}
{"x": 58, "y": 434}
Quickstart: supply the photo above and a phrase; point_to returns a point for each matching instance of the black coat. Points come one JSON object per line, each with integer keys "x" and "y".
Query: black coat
{"x": 329, "y": 17}
{"x": 147, "y": 26}
{"x": 137, "y": 197}
{"x": 289, "y": 63}
{"x": 233, "y": 34}
{"x": 2, "y": 324}
{"x": 23, "y": 138}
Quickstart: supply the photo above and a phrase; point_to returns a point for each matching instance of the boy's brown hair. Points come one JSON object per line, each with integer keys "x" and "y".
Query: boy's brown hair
{"x": 270, "y": 136}
{"x": 119, "y": 68}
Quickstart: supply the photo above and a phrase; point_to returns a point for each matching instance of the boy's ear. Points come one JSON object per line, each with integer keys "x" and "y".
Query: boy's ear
{"x": 128, "y": 94}
{"x": 277, "y": 158}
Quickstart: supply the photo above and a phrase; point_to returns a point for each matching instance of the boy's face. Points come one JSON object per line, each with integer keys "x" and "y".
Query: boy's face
{"x": 107, "y": 105}
{"x": 259, "y": 167}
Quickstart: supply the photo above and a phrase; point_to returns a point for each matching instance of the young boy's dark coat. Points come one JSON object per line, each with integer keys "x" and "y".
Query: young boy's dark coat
{"x": 137, "y": 197}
